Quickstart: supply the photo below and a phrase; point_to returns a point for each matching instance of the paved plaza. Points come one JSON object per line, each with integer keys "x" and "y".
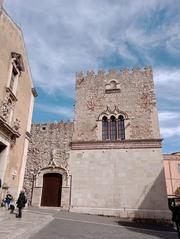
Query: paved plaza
{"x": 53, "y": 223}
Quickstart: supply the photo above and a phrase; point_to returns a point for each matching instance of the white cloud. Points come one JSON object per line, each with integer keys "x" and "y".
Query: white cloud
{"x": 170, "y": 132}
{"x": 167, "y": 76}
{"x": 173, "y": 41}
{"x": 167, "y": 116}
{"x": 66, "y": 36}
{"x": 58, "y": 110}
{"x": 63, "y": 37}
{"x": 167, "y": 82}
{"x": 169, "y": 124}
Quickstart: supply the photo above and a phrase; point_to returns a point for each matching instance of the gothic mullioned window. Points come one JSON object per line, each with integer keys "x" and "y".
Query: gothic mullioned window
{"x": 121, "y": 128}
{"x": 113, "y": 128}
{"x": 105, "y": 130}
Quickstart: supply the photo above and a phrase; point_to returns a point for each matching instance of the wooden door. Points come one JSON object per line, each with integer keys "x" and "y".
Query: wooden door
{"x": 51, "y": 191}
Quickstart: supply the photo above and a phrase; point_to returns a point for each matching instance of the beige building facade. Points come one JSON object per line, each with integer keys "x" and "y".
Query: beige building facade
{"x": 172, "y": 172}
{"x": 109, "y": 160}
{"x": 16, "y": 105}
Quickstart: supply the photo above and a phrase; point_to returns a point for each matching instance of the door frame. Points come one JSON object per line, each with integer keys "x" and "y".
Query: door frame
{"x": 58, "y": 189}
{"x": 37, "y": 186}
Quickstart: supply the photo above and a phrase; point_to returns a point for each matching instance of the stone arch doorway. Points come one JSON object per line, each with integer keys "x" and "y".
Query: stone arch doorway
{"x": 62, "y": 176}
{"x": 51, "y": 190}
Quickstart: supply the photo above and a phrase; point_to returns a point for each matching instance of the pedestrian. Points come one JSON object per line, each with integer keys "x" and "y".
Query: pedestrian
{"x": 176, "y": 218}
{"x": 8, "y": 199}
{"x": 175, "y": 209}
{"x": 21, "y": 202}
{"x": 12, "y": 207}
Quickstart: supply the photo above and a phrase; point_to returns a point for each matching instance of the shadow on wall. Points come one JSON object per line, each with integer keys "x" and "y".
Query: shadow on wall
{"x": 155, "y": 199}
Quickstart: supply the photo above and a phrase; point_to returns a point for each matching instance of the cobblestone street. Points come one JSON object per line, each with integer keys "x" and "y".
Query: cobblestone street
{"x": 12, "y": 227}
{"x": 52, "y": 223}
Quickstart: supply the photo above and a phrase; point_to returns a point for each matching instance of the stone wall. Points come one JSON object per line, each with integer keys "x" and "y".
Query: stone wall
{"x": 47, "y": 141}
{"x": 121, "y": 182}
{"x": 131, "y": 92}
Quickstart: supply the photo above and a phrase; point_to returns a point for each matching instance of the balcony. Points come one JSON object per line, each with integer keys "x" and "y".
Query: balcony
{"x": 10, "y": 132}
{"x": 9, "y": 128}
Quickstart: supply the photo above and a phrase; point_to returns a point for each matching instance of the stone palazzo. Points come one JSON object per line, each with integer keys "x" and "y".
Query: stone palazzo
{"x": 108, "y": 161}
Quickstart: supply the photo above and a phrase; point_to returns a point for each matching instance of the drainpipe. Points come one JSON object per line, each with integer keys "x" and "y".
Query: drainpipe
{"x": 70, "y": 192}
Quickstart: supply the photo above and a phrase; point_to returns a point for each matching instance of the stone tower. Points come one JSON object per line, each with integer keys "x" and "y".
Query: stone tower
{"x": 116, "y": 160}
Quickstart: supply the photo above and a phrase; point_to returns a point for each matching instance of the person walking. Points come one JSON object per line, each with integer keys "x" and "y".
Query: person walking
{"x": 175, "y": 209}
{"x": 21, "y": 202}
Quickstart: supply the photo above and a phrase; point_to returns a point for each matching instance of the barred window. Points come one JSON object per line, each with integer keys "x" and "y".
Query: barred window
{"x": 105, "y": 128}
{"x": 113, "y": 128}
{"x": 121, "y": 128}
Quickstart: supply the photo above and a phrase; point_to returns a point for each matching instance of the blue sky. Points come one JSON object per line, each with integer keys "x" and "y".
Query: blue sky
{"x": 65, "y": 36}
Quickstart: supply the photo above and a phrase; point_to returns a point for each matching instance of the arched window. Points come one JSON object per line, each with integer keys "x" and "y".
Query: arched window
{"x": 121, "y": 128}
{"x": 105, "y": 128}
{"x": 113, "y": 129}
{"x": 113, "y": 84}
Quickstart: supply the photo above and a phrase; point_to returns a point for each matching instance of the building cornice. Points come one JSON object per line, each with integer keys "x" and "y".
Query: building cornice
{"x": 171, "y": 157}
{"x": 124, "y": 144}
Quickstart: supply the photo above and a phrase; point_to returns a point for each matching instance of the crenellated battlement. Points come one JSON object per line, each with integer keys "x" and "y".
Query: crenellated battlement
{"x": 146, "y": 71}
{"x": 52, "y": 125}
